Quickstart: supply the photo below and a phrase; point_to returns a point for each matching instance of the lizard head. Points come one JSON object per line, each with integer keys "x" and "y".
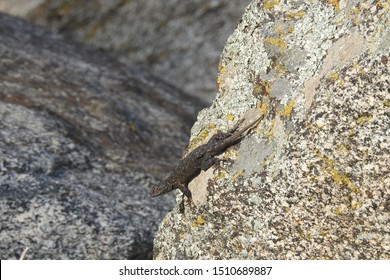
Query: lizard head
{"x": 159, "y": 190}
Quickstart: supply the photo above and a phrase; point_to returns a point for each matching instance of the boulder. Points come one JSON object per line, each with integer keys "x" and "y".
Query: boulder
{"x": 312, "y": 180}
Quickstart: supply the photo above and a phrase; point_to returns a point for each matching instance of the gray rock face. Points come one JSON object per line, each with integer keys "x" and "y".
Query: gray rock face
{"x": 58, "y": 203}
{"x": 179, "y": 41}
{"x": 312, "y": 181}
{"x": 82, "y": 139}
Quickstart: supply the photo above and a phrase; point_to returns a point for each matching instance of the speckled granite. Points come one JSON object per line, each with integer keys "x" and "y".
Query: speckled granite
{"x": 312, "y": 181}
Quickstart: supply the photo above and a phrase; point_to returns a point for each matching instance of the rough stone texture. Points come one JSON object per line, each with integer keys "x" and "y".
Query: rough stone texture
{"x": 82, "y": 139}
{"x": 179, "y": 41}
{"x": 312, "y": 181}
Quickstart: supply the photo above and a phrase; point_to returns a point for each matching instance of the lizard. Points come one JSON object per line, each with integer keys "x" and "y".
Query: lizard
{"x": 201, "y": 158}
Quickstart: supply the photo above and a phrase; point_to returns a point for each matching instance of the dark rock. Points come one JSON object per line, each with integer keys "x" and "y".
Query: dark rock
{"x": 82, "y": 139}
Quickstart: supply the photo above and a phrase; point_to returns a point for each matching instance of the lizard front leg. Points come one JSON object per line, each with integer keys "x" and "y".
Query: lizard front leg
{"x": 185, "y": 190}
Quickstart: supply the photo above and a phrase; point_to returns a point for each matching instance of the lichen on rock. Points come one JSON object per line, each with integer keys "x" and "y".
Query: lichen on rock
{"x": 315, "y": 184}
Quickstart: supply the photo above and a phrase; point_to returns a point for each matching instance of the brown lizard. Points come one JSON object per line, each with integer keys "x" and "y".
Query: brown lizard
{"x": 201, "y": 158}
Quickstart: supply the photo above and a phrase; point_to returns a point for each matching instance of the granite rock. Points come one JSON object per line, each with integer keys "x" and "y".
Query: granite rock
{"x": 312, "y": 180}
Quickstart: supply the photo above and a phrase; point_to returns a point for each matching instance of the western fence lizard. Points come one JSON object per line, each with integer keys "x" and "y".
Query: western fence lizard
{"x": 201, "y": 158}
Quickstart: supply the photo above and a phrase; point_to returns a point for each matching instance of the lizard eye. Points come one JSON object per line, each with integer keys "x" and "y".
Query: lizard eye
{"x": 154, "y": 191}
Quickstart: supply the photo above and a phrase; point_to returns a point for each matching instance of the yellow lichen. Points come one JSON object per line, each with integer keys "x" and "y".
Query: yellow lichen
{"x": 276, "y": 42}
{"x": 354, "y": 189}
{"x": 337, "y": 177}
{"x": 333, "y": 76}
{"x": 221, "y": 71}
{"x": 264, "y": 108}
{"x": 197, "y": 140}
{"x": 363, "y": 119}
{"x": 280, "y": 32}
{"x": 287, "y": 110}
{"x": 270, "y": 4}
{"x": 230, "y": 117}
{"x": 211, "y": 126}
{"x": 335, "y": 4}
{"x": 220, "y": 175}
{"x": 230, "y": 153}
{"x": 295, "y": 15}
{"x": 280, "y": 70}
{"x": 238, "y": 174}
{"x": 380, "y": 5}
{"x": 200, "y": 220}
{"x": 339, "y": 210}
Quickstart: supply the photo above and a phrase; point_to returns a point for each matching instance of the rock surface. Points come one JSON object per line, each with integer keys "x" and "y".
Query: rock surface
{"x": 312, "y": 181}
{"x": 82, "y": 139}
{"x": 179, "y": 41}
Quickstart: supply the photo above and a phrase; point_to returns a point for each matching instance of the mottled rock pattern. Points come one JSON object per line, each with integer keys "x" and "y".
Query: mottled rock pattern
{"x": 179, "y": 41}
{"x": 312, "y": 182}
{"x": 82, "y": 139}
